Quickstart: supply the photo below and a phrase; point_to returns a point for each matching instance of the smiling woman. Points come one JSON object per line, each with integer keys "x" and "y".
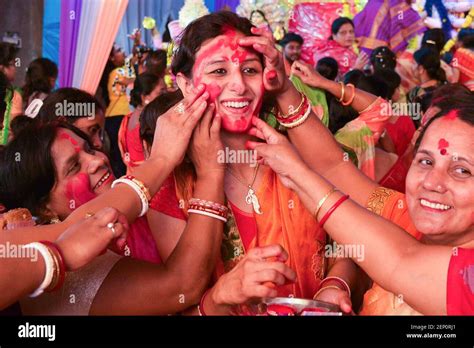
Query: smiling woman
{"x": 240, "y": 67}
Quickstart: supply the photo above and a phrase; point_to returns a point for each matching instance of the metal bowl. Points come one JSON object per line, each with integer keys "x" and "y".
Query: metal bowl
{"x": 300, "y": 304}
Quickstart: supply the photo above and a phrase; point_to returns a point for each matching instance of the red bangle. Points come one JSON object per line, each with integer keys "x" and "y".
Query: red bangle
{"x": 62, "y": 264}
{"x": 333, "y": 208}
{"x": 201, "y": 304}
{"x": 340, "y": 281}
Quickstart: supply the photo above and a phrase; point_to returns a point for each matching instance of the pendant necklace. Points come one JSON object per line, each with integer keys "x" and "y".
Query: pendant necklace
{"x": 251, "y": 198}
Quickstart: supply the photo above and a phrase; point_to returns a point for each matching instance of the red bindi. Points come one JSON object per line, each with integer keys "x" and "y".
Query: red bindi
{"x": 443, "y": 144}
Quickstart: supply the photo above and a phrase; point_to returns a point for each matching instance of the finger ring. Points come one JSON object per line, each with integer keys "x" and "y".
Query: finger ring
{"x": 111, "y": 227}
{"x": 180, "y": 108}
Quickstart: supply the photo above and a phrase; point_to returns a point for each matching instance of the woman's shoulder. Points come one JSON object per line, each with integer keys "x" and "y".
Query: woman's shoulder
{"x": 392, "y": 205}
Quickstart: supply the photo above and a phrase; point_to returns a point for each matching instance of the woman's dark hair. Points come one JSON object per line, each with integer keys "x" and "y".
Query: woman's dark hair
{"x": 201, "y": 30}
{"x": 391, "y": 79}
{"x": 155, "y": 109}
{"x": 38, "y": 76}
{"x": 447, "y": 97}
{"x": 338, "y": 23}
{"x": 433, "y": 39}
{"x": 430, "y": 61}
{"x": 463, "y": 113}
{"x": 340, "y": 115}
{"x": 7, "y": 53}
{"x": 18, "y": 123}
{"x": 260, "y": 12}
{"x": 144, "y": 85}
{"x": 373, "y": 85}
{"x": 466, "y": 37}
{"x": 48, "y": 111}
{"x": 353, "y": 76}
{"x": 328, "y": 68}
{"x": 27, "y": 170}
{"x": 383, "y": 58}
{"x": 155, "y": 63}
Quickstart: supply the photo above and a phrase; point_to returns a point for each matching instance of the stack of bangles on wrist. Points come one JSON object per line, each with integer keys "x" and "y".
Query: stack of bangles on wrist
{"x": 343, "y": 286}
{"x": 140, "y": 189}
{"x": 343, "y": 93}
{"x": 296, "y": 117}
{"x": 331, "y": 210}
{"x": 54, "y": 265}
{"x": 208, "y": 208}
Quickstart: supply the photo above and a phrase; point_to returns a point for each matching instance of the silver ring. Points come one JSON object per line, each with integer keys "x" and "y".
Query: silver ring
{"x": 180, "y": 108}
{"x": 111, "y": 227}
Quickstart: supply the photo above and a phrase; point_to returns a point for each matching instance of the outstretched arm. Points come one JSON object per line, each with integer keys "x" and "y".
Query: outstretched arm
{"x": 409, "y": 268}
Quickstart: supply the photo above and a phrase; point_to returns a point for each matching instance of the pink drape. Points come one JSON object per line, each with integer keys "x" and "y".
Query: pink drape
{"x": 107, "y": 22}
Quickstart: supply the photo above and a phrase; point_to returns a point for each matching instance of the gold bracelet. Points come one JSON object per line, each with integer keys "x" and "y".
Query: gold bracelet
{"x": 142, "y": 186}
{"x": 326, "y": 287}
{"x": 294, "y": 112}
{"x": 322, "y": 201}
{"x": 342, "y": 92}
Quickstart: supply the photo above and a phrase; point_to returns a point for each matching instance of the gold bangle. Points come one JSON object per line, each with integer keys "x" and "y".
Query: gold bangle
{"x": 342, "y": 92}
{"x": 326, "y": 287}
{"x": 294, "y": 112}
{"x": 322, "y": 201}
{"x": 142, "y": 186}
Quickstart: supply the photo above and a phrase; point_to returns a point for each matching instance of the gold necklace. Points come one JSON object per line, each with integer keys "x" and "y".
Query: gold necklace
{"x": 251, "y": 198}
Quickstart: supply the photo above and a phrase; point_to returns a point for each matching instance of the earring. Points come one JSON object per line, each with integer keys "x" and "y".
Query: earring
{"x": 147, "y": 101}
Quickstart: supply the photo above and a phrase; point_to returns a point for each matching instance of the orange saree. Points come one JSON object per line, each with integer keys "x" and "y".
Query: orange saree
{"x": 285, "y": 221}
{"x": 392, "y": 206}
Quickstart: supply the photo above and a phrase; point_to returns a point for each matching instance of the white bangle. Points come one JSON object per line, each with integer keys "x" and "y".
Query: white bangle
{"x": 138, "y": 190}
{"x": 49, "y": 265}
{"x": 205, "y": 213}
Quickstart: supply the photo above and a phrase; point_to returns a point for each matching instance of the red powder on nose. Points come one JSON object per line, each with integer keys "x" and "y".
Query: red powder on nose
{"x": 78, "y": 191}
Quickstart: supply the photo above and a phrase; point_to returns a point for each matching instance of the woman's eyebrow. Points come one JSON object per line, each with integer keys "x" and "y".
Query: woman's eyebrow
{"x": 426, "y": 152}
{"x": 220, "y": 60}
{"x": 460, "y": 158}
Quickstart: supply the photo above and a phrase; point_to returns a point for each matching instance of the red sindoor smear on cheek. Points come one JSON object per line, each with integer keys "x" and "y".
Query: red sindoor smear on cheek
{"x": 78, "y": 191}
{"x": 214, "y": 91}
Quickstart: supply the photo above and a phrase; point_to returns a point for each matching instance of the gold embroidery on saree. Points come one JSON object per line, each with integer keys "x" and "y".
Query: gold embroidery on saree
{"x": 232, "y": 247}
{"x": 378, "y": 198}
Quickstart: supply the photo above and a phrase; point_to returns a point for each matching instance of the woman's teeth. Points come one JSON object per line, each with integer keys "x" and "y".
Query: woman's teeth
{"x": 102, "y": 180}
{"x": 437, "y": 206}
{"x": 236, "y": 105}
